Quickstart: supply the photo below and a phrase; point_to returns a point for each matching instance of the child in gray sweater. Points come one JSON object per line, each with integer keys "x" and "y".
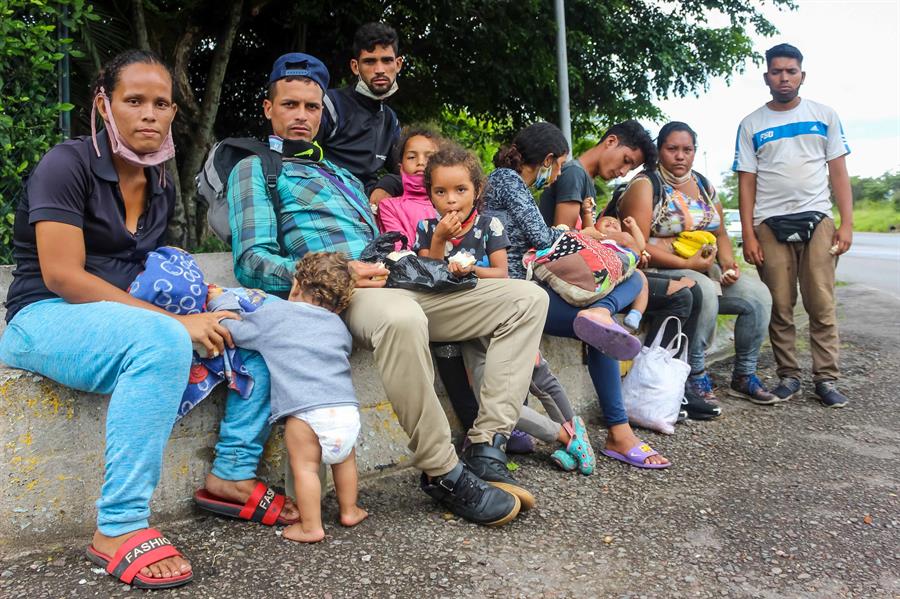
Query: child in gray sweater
{"x": 306, "y": 347}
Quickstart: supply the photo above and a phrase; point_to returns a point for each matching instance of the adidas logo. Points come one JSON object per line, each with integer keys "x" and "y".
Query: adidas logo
{"x": 814, "y": 128}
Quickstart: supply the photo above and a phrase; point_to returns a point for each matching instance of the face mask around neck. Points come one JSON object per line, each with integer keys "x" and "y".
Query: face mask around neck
{"x": 543, "y": 176}
{"x": 363, "y": 89}
{"x": 121, "y": 149}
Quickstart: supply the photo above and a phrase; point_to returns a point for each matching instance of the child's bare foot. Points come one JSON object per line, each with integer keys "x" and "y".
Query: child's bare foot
{"x": 295, "y": 532}
{"x": 353, "y": 516}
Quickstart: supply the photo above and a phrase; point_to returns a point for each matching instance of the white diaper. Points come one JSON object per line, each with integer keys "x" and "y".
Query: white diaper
{"x": 337, "y": 429}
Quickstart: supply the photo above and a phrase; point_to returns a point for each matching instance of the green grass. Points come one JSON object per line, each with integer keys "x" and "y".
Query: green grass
{"x": 874, "y": 217}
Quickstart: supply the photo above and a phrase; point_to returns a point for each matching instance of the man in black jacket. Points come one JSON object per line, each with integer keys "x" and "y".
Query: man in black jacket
{"x": 358, "y": 130}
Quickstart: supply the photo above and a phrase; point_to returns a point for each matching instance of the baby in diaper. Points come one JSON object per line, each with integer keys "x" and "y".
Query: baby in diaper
{"x": 306, "y": 347}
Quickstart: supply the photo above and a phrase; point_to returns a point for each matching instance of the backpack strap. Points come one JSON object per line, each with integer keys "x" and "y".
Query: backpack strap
{"x": 658, "y": 193}
{"x": 705, "y": 185}
{"x": 271, "y": 167}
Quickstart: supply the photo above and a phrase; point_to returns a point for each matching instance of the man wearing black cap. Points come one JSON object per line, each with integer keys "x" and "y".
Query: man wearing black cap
{"x": 358, "y": 129}
{"x": 324, "y": 209}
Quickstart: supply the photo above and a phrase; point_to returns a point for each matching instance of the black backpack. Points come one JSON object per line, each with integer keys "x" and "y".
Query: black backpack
{"x": 612, "y": 207}
{"x": 212, "y": 180}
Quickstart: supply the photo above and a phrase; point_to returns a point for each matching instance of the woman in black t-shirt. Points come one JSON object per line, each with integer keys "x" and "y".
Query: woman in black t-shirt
{"x": 94, "y": 208}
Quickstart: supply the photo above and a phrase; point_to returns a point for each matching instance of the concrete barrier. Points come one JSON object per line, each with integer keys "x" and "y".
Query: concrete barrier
{"x": 52, "y": 439}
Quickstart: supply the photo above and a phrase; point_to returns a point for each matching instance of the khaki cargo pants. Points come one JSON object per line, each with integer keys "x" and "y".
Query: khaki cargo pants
{"x": 812, "y": 267}
{"x": 507, "y": 316}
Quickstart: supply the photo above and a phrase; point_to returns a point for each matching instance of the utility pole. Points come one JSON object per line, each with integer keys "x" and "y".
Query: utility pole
{"x": 65, "y": 67}
{"x": 562, "y": 65}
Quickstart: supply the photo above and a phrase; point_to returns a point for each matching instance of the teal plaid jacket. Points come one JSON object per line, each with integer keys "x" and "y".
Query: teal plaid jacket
{"x": 316, "y": 216}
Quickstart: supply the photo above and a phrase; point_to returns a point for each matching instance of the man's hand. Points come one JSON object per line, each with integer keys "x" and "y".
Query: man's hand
{"x": 752, "y": 250}
{"x": 206, "y": 330}
{"x": 449, "y": 226}
{"x": 368, "y": 275}
{"x": 843, "y": 239}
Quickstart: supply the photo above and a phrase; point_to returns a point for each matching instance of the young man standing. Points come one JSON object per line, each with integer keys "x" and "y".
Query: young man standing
{"x": 358, "y": 129}
{"x": 781, "y": 155}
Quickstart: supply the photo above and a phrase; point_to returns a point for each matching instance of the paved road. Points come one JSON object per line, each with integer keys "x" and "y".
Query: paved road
{"x": 874, "y": 261}
{"x": 793, "y": 501}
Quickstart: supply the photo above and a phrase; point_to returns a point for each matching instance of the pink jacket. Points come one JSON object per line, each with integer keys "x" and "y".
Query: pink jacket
{"x": 404, "y": 213}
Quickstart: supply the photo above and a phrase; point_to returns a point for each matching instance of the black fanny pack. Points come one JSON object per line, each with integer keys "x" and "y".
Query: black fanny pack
{"x": 794, "y": 228}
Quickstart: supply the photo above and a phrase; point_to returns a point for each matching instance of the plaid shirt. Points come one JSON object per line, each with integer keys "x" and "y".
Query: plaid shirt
{"x": 316, "y": 216}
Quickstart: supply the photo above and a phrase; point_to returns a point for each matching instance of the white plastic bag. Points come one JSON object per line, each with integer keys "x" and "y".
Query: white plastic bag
{"x": 653, "y": 389}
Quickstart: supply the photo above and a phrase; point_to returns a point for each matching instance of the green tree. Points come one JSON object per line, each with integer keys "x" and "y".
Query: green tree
{"x": 728, "y": 190}
{"x": 482, "y": 68}
{"x": 30, "y": 49}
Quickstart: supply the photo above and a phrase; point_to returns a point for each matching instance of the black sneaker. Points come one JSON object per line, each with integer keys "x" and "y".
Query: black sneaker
{"x": 700, "y": 409}
{"x": 829, "y": 395}
{"x": 787, "y": 388}
{"x": 471, "y": 498}
{"x": 488, "y": 462}
{"x": 697, "y": 407}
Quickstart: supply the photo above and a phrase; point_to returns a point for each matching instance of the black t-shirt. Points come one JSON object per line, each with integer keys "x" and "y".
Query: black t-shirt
{"x": 72, "y": 185}
{"x": 392, "y": 184}
{"x": 484, "y": 238}
{"x": 362, "y": 136}
{"x": 572, "y": 185}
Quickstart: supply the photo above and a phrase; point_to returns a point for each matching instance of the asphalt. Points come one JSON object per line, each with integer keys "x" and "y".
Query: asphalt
{"x": 789, "y": 501}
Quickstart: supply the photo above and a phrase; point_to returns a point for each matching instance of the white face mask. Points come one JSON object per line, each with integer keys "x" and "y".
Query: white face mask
{"x": 363, "y": 89}
{"x": 543, "y": 176}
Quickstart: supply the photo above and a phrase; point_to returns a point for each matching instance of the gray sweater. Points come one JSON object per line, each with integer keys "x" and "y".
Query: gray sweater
{"x": 307, "y": 351}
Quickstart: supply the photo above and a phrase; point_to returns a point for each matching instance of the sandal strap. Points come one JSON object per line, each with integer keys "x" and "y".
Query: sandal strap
{"x": 264, "y": 505}
{"x": 642, "y": 451}
{"x": 146, "y": 547}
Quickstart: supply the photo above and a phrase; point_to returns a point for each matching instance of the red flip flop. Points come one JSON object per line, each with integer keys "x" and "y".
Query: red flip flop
{"x": 264, "y": 506}
{"x": 143, "y": 549}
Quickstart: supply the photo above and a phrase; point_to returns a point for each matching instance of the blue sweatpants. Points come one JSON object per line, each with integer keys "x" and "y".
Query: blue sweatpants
{"x": 142, "y": 359}
{"x": 604, "y": 370}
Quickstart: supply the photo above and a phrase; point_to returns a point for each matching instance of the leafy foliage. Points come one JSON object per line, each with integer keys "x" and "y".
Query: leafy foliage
{"x": 29, "y": 52}
{"x": 479, "y": 68}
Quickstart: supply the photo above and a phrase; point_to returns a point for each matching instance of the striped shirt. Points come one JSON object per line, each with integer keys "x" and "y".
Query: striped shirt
{"x": 317, "y": 215}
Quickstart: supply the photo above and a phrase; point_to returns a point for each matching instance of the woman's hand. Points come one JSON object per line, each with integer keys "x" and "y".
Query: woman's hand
{"x": 730, "y": 273}
{"x": 700, "y": 263}
{"x": 593, "y": 233}
{"x": 206, "y": 330}
{"x": 644, "y": 260}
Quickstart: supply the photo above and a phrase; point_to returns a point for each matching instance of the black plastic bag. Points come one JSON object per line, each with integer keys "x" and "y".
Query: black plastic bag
{"x": 411, "y": 271}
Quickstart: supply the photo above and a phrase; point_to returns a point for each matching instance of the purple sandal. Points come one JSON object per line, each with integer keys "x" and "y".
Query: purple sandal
{"x": 636, "y": 456}
{"x": 611, "y": 339}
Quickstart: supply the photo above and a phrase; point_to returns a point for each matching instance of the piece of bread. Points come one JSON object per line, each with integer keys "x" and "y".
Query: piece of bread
{"x": 463, "y": 259}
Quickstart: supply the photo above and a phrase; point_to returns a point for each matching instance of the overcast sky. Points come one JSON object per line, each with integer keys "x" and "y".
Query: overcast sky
{"x": 851, "y": 53}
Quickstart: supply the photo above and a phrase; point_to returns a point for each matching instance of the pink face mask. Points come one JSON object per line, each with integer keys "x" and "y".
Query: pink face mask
{"x": 121, "y": 149}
